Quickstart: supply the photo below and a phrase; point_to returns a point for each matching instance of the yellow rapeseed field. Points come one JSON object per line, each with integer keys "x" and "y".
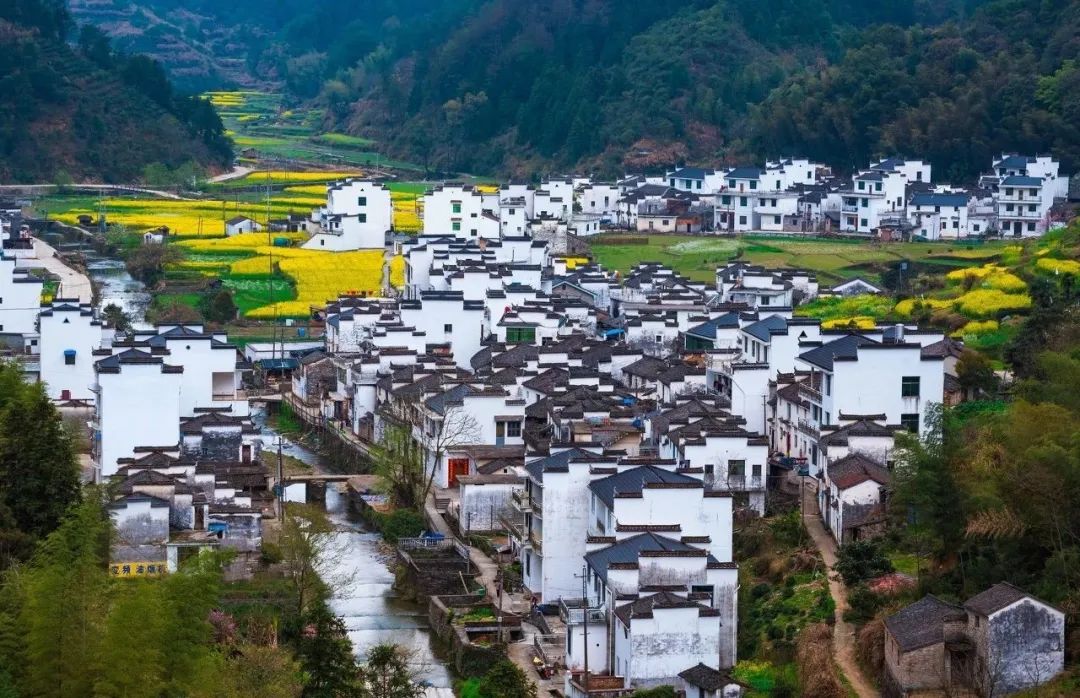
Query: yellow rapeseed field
{"x": 858, "y": 322}
{"x": 322, "y": 276}
{"x": 238, "y": 244}
{"x": 1059, "y": 266}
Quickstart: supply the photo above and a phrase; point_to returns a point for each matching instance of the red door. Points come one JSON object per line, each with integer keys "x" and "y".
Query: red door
{"x": 457, "y": 468}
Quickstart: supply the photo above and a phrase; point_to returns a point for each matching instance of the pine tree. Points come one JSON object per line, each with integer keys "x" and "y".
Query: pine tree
{"x": 133, "y": 647}
{"x": 326, "y": 656}
{"x": 65, "y": 605}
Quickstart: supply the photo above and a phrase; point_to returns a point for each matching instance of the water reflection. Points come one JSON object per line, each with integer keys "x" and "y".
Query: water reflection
{"x": 370, "y": 609}
{"x": 118, "y": 287}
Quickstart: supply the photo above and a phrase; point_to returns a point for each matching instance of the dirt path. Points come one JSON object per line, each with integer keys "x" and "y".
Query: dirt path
{"x": 73, "y": 284}
{"x": 234, "y": 173}
{"x": 843, "y": 632}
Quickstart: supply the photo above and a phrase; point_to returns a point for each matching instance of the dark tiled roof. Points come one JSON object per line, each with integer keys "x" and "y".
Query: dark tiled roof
{"x": 933, "y": 199}
{"x": 844, "y": 348}
{"x": 920, "y": 624}
{"x": 855, "y": 469}
{"x": 1021, "y": 181}
{"x": 643, "y": 607}
{"x": 765, "y": 328}
{"x": 628, "y": 550}
{"x": 996, "y": 598}
{"x": 744, "y": 173}
{"x": 705, "y": 677}
{"x": 633, "y": 481}
{"x": 708, "y": 329}
{"x": 557, "y": 462}
{"x": 860, "y": 427}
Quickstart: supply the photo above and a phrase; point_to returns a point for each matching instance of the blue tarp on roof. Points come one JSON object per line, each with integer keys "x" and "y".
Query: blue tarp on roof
{"x": 614, "y": 332}
{"x": 278, "y": 364}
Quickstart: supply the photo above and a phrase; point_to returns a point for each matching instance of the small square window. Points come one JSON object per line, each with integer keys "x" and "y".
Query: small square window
{"x": 455, "y": 207}
{"x": 455, "y": 226}
{"x": 513, "y": 429}
{"x": 361, "y": 201}
{"x": 909, "y": 386}
{"x": 362, "y": 217}
{"x": 910, "y": 422}
{"x": 448, "y": 328}
{"x": 742, "y": 220}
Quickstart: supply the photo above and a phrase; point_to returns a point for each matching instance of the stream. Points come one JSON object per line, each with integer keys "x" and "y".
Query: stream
{"x": 372, "y": 612}
{"x": 369, "y": 607}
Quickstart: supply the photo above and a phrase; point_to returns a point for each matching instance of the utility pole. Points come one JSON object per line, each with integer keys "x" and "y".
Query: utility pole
{"x": 281, "y": 482}
{"x": 585, "y": 621}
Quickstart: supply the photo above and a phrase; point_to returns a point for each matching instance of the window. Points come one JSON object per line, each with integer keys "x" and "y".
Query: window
{"x": 513, "y": 429}
{"x": 448, "y": 328}
{"x": 742, "y": 220}
{"x": 455, "y": 226}
{"x": 672, "y": 181}
{"x": 1031, "y": 208}
{"x": 686, "y": 183}
{"x": 862, "y": 185}
{"x": 755, "y": 469}
{"x": 909, "y": 386}
{"x": 1031, "y": 227}
{"x": 828, "y": 384}
{"x": 956, "y": 224}
{"x": 937, "y": 209}
{"x": 725, "y": 200}
{"x": 910, "y": 422}
{"x": 473, "y": 232}
{"x": 1008, "y": 191}
{"x": 736, "y": 468}
{"x": 753, "y": 184}
{"x": 710, "y": 468}
{"x": 776, "y": 220}
{"x": 1034, "y": 192}
{"x": 699, "y": 184}
{"x": 877, "y": 186}
{"x": 361, "y": 217}
{"x": 517, "y": 335}
{"x": 1008, "y": 207}
{"x": 455, "y": 206}
{"x": 361, "y": 201}
{"x": 864, "y": 223}
{"x": 865, "y": 203}
{"x": 742, "y": 201}
{"x": 511, "y": 212}
{"x": 69, "y": 357}
{"x": 731, "y": 183}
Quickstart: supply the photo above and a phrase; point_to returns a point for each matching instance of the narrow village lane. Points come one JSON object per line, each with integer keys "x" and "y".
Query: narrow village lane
{"x": 73, "y": 284}
{"x": 843, "y": 632}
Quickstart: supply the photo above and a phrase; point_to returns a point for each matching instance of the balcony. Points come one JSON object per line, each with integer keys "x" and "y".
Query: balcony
{"x": 849, "y": 208}
{"x": 537, "y": 542}
{"x": 575, "y": 612}
{"x": 526, "y": 502}
{"x": 515, "y": 526}
{"x": 808, "y": 392}
{"x": 808, "y": 428}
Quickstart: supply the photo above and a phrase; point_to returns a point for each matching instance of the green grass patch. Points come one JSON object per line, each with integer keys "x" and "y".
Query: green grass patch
{"x": 905, "y": 563}
{"x": 344, "y": 140}
{"x": 764, "y": 678}
{"x": 250, "y": 292}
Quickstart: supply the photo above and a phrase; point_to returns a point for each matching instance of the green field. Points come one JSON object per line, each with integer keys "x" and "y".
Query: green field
{"x": 261, "y": 122}
{"x": 697, "y": 257}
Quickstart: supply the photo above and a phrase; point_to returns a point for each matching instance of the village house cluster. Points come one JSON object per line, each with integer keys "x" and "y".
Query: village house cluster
{"x": 892, "y": 198}
{"x": 612, "y": 425}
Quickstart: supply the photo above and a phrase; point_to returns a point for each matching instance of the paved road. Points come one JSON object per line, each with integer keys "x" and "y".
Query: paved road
{"x": 843, "y": 632}
{"x": 38, "y": 189}
{"x": 234, "y": 173}
{"x": 73, "y": 284}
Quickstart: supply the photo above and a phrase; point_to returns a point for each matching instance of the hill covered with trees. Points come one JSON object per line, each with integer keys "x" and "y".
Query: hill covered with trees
{"x": 86, "y": 111}
{"x": 504, "y": 86}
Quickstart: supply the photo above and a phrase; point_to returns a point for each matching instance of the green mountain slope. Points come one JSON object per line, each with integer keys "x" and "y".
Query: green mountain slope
{"x": 518, "y": 87}
{"x": 105, "y": 117}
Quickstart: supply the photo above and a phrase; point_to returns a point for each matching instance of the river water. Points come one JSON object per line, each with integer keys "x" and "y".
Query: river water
{"x": 372, "y": 612}
{"x": 117, "y": 286}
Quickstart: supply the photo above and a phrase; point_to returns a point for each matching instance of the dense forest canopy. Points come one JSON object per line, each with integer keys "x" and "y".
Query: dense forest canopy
{"x": 504, "y": 86}
{"x": 87, "y": 110}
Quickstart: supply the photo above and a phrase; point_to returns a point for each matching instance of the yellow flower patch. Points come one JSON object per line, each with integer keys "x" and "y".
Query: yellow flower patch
{"x": 1059, "y": 266}
{"x": 575, "y": 262}
{"x": 977, "y": 327}
{"x": 239, "y": 243}
{"x": 323, "y": 276}
{"x": 907, "y": 306}
{"x": 1006, "y": 281}
{"x": 858, "y": 322}
{"x": 986, "y": 302}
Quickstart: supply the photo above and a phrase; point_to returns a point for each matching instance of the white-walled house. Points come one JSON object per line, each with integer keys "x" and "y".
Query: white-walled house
{"x": 860, "y": 375}
{"x": 70, "y": 334}
{"x": 850, "y": 497}
{"x": 1023, "y": 204}
{"x": 458, "y": 210}
{"x": 358, "y": 215}
{"x": 940, "y": 216}
{"x": 20, "y": 298}
{"x": 138, "y": 398}
{"x": 238, "y": 225}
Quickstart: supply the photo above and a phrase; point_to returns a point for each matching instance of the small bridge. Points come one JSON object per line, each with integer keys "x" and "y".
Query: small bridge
{"x": 321, "y": 477}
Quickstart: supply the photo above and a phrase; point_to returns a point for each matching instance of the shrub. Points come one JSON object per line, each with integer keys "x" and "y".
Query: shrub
{"x": 402, "y": 523}
{"x": 862, "y": 560}
{"x": 863, "y": 604}
{"x": 817, "y": 673}
{"x": 271, "y": 553}
{"x": 870, "y": 649}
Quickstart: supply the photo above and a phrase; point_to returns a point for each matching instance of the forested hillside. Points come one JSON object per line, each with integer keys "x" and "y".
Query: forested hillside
{"x": 86, "y": 111}
{"x": 505, "y": 86}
